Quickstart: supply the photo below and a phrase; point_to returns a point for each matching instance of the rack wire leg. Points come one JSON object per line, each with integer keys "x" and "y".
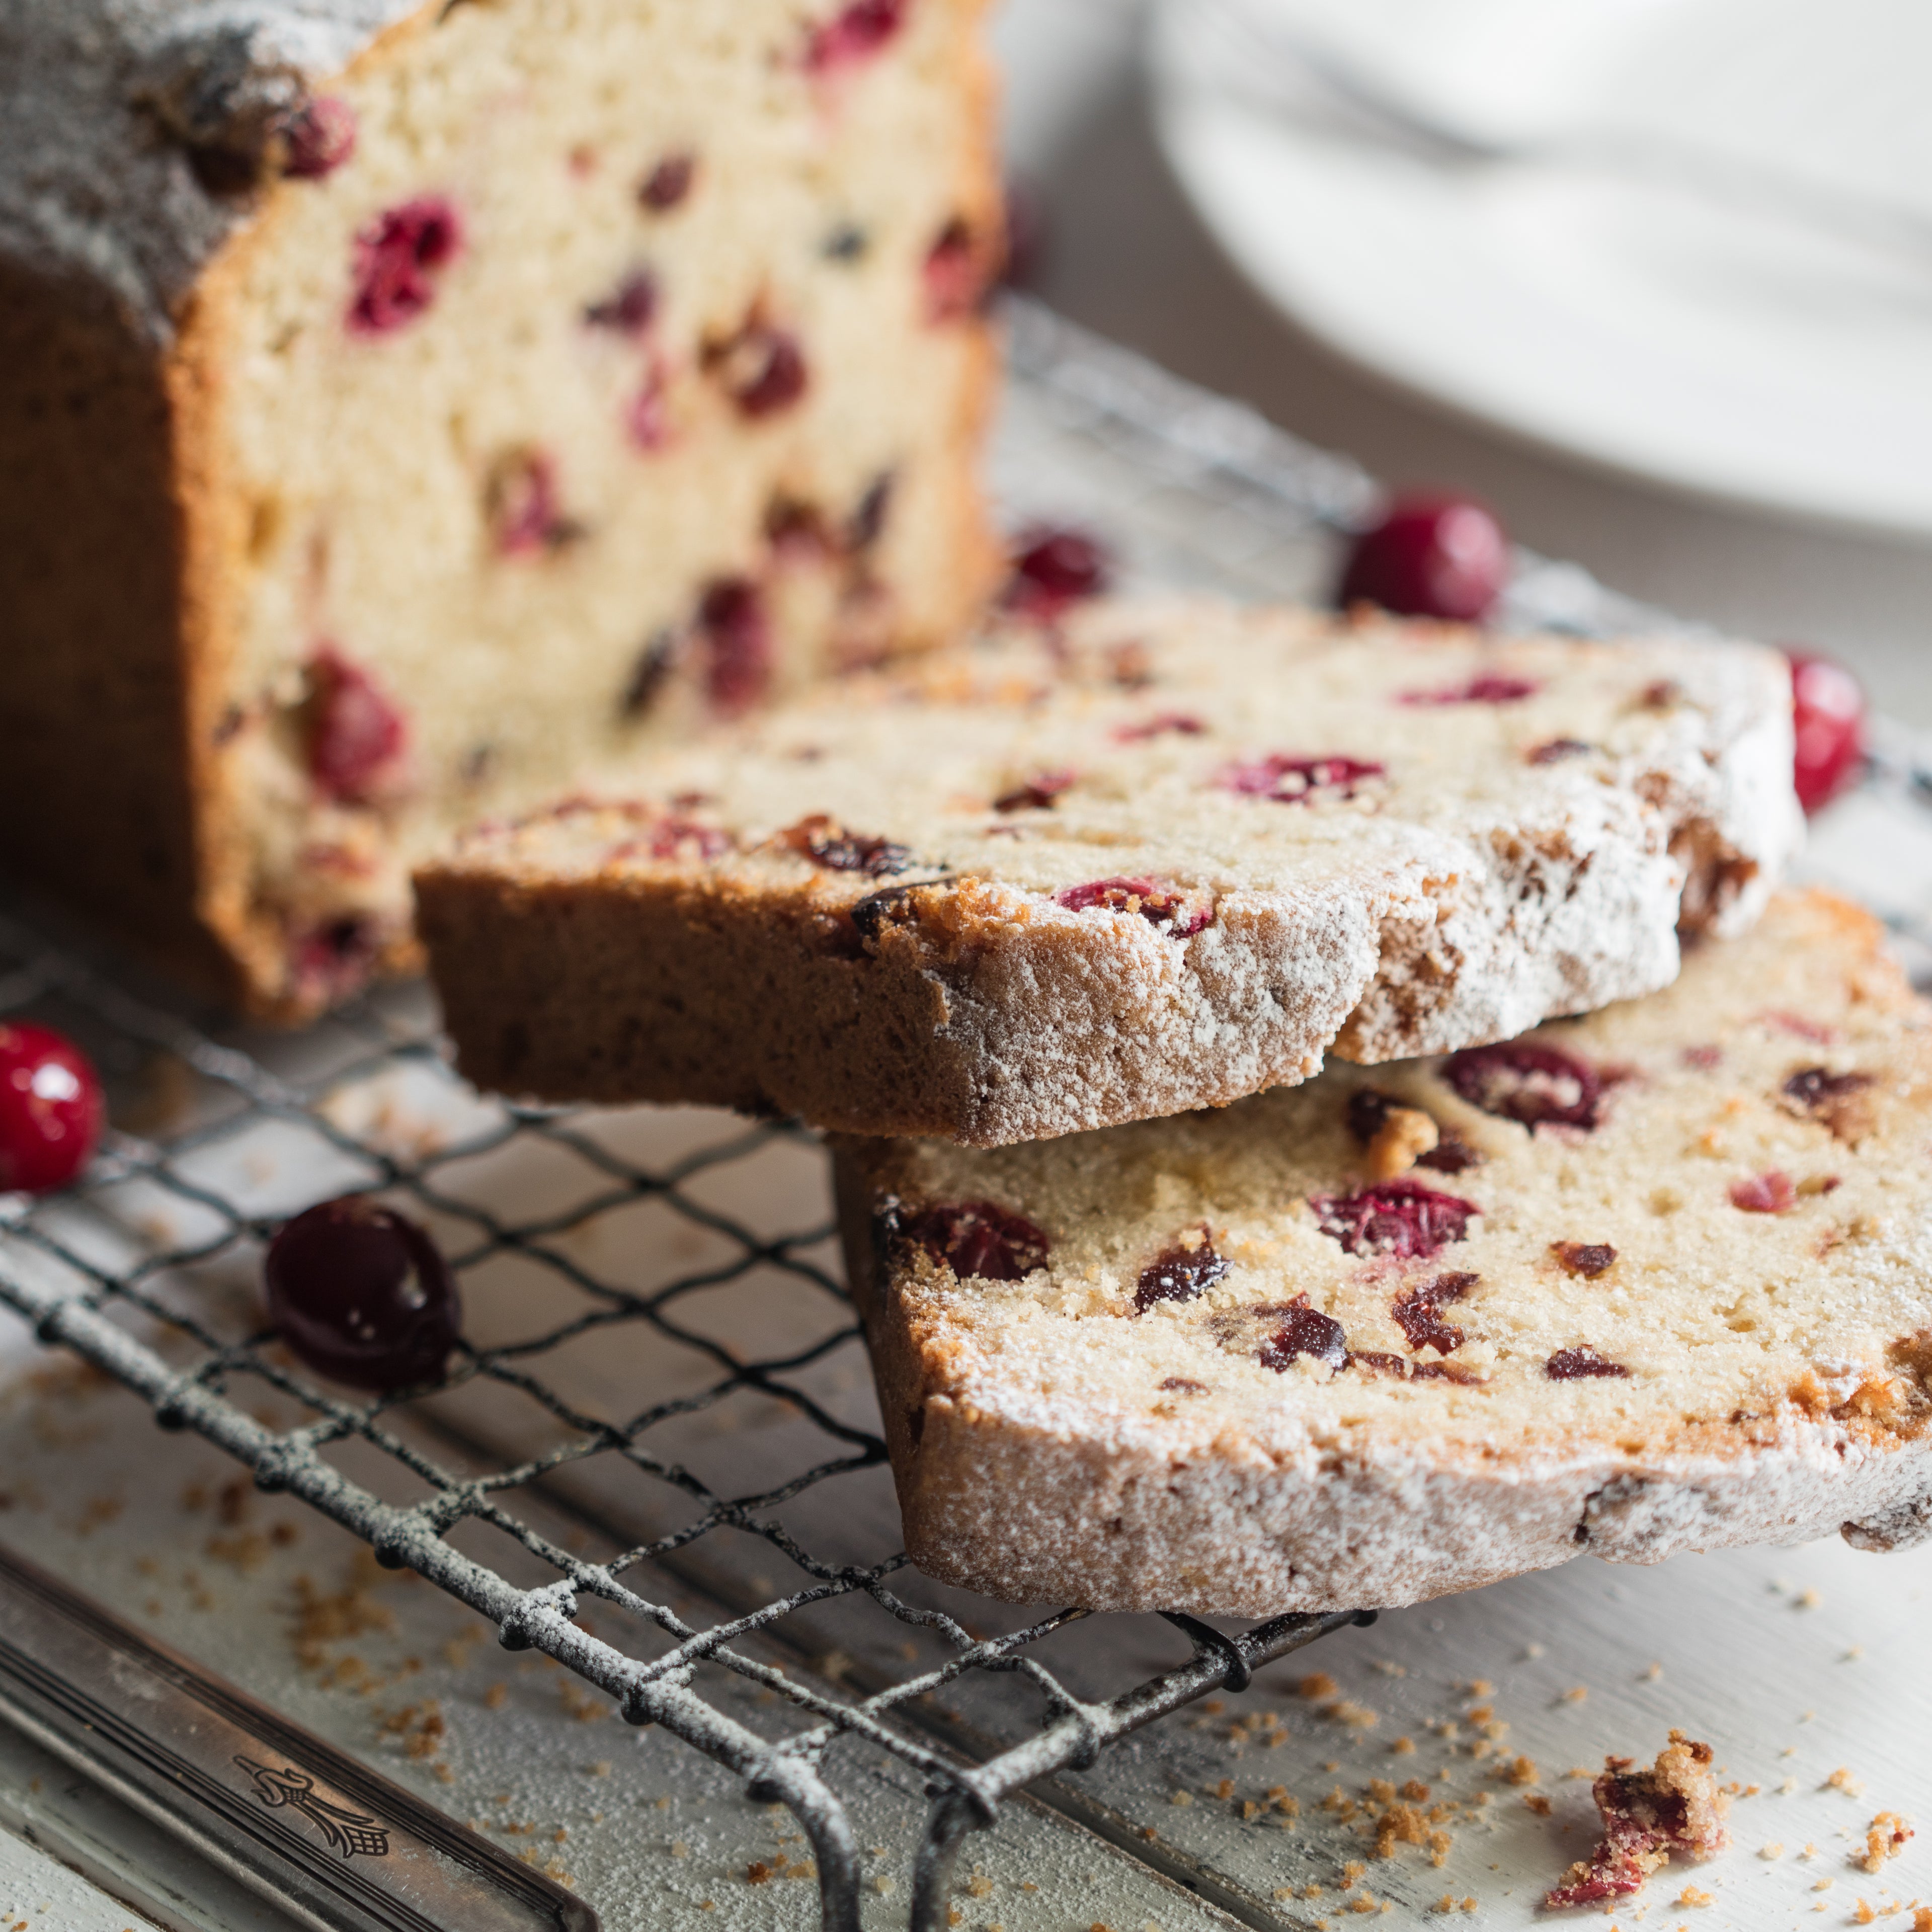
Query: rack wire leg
{"x": 834, "y": 1845}
{"x": 951, "y": 1817}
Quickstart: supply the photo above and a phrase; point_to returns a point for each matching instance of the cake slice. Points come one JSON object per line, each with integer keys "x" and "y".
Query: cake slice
{"x": 407, "y": 407}
{"x": 1655, "y": 1280}
{"x": 1157, "y": 857}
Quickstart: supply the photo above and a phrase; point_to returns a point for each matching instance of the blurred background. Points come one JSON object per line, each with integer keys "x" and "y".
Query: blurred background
{"x": 1652, "y": 277}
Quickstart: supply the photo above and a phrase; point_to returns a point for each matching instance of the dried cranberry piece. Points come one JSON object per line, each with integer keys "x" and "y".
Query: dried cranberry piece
{"x": 1430, "y": 556}
{"x": 526, "y": 517}
{"x": 1768, "y": 1193}
{"x": 1814, "y": 1088}
{"x": 362, "y": 1295}
{"x": 318, "y": 138}
{"x": 1367, "y": 1114}
{"x": 1305, "y": 1331}
{"x": 328, "y": 962}
{"x": 1570, "y": 1365}
{"x": 1331, "y": 780}
{"x": 1586, "y": 1258}
{"x": 1053, "y": 568}
{"x": 396, "y": 259}
{"x": 1487, "y": 688}
{"x": 1402, "y": 1218}
{"x": 826, "y": 843}
{"x": 1418, "y": 1312}
{"x": 1178, "y": 722}
{"x": 1828, "y": 718}
{"x": 668, "y": 183}
{"x": 1558, "y": 749}
{"x": 867, "y": 522}
{"x": 51, "y": 1110}
{"x": 735, "y": 635}
{"x": 675, "y": 836}
{"x": 1037, "y": 794}
{"x": 1179, "y": 1273}
{"x": 647, "y": 415}
{"x": 356, "y": 736}
{"x": 1378, "y": 1363}
{"x": 1158, "y": 904}
{"x": 1703, "y": 1058}
{"x": 954, "y": 274}
{"x": 650, "y": 675}
{"x": 1451, "y": 1154}
{"x": 630, "y": 309}
{"x": 980, "y": 1237}
{"x": 762, "y": 367}
{"x": 1537, "y": 1086}
{"x": 854, "y": 34}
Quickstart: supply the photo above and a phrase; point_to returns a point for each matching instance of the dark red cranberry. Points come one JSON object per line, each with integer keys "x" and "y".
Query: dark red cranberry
{"x": 1178, "y": 1273}
{"x": 1703, "y": 1058}
{"x": 1037, "y": 794}
{"x": 825, "y": 842}
{"x": 762, "y": 368}
{"x": 1367, "y": 1112}
{"x": 1586, "y": 1258}
{"x": 1333, "y": 780}
{"x": 397, "y": 257}
{"x": 328, "y": 962}
{"x": 630, "y": 309}
{"x": 356, "y": 736}
{"x": 647, "y": 415}
{"x": 317, "y": 139}
{"x": 1451, "y": 1154}
{"x": 1178, "y": 722}
{"x": 1418, "y": 1312}
{"x": 1812, "y": 1088}
{"x": 954, "y": 274}
{"x": 1430, "y": 556}
{"x": 854, "y": 34}
{"x": 1402, "y": 1218}
{"x": 1769, "y": 1193}
{"x": 1305, "y": 1331}
{"x": 979, "y": 1237}
{"x": 1158, "y": 904}
{"x": 793, "y": 525}
{"x": 1489, "y": 688}
{"x": 675, "y": 836}
{"x": 668, "y": 183}
{"x": 526, "y": 517}
{"x": 1558, "y": 749}
{"x": 867, "y": 522}
{"x": 649, "y": 674}
{"x": 1539, "y": 1086}
{"x": 735, "y": 634}
{"x": 1828, "y": 719}
{"x": 51, "y": 1111}
{"x": 362, "y": 1294}
{"x": 1570, "y": 1365}
{"x": 1053, "y": 568}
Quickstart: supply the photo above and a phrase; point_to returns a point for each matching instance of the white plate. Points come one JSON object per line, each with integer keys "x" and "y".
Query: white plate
{"x": 1727, "y": 351}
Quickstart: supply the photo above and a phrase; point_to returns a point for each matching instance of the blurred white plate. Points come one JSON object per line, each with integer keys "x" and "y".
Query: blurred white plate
{"x": 1719, "y": 348}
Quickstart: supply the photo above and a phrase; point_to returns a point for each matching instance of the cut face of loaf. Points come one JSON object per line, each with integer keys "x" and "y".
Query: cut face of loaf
{"x": 1660, "y": 1279}
{"x": 415, "y": 409}
{"x": 1164, "y": 857}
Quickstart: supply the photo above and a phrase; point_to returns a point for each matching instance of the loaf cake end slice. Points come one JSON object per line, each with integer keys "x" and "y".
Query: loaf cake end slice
{"x": 1657, "y": 1280}
{"x": 1161, "y": 857}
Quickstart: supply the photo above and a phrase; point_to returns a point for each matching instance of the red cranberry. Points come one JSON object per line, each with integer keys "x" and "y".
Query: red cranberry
{"x": 1178, "y": 722}
{"x": 647, "y": 416}
{"x": 1587, "y": 1258}
{"x": 867, "y": 523}
{"x": 1430, "y": 556}
{"x": 826, "y": 843}
{"x": 1037, "y": 794}
{"x": 319, "y": 138}
{"x": 1402, "y": 1218}
{"x": 526, "y": 518}
{"x": 1646, "y": 1819}
{"x": 954, "y": 274}
{"x": 979, "y": 1237}
{"x": 395, "y": 260}
{"x": 1539, "y": 1086}
{"x": 668, "y": 183}
{"x": 1488, "y": 688}
{"x": 1418, "y": 1312}
{"x": 1570, "y": 1365}
{"x": 1306, "y": 1331}
{"x": 361, "y": 1294}
{"x": 327, "y": 963}
{"x": 1814, "y": 1087}
{"x": 1178, "y": 1273}
{"x": 1769, "y": 1193}
{"x": 1828, "y": 717}
{"x": 1285, "y": 781}
{"x": 1053, "y": 568}
{"x": 51, "y": 1111}
{"x": 762, "y": 368}
{"x": 735, "y": 633}
{"x": 1558, "y": 749}
{"x": 630, "y": 309}
{"x": 854, "y": 35}
{"x": 1158, "y": 904}
{"x": 356, "y": 736}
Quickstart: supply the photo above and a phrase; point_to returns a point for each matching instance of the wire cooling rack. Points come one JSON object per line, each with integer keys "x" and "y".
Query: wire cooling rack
{"x": 694, "y": 1350}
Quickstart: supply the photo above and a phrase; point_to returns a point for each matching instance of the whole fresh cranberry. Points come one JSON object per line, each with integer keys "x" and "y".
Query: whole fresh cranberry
{"x": 50, "y": 1109}
{"x": 396, "y": 258}
{"x": 1053, "y": 568}
{"x": 362, "y": 1294}
{"x": 1828, "y": 713}
{"x": 1430, "y": 556}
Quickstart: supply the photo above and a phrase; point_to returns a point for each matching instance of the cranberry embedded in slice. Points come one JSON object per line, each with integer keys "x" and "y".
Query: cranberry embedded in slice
{"x": 979, "y": 1237}
{"x": 396, "y": 259}
{"x": 825, "y": 842}
{"x": 1576, "y": 1364}
{"x": 356, "y": 736}
{"x": 1178, "y": 722}
{"x": 1305, "y": 1331}
{"x": 318, "y": 138}
{"x": 1158, "y": 904}
{"x": 526, "y": 517}
{"x": 647, "y": 415}
{"x": 954, "y": 277}
{"x": 1179, "y": 1273}
{"x": 1430, "y": 556}
{"x": 735, "y": 634}
{"x": 1333, "y": 780}
{"x": 1418, "y": 1312}
{"x": 1037, "y": 793}
{"x": 1828, "y": 720}
{"x": 1402, "y": 1218}
{"x": 1769, "y": 1193}
{"x": 1053, "y": 568}
{"x": 1587, "y": 1258}
{"x": 51, "y": 1111}
{"x": 1558, "y": 749}
{"x": 328, "y": 962}
{"x": 630, "y": 309}
{"x": 1538, "y": 1086}
{"x": 1649, "y": 1816}
{"x": 362, "y": 1294}
{"x": 1840, "y": 1101}
{"x": 762, "y": 368}
{"x": 668, "y": 183}
{"x": 854, "y": 35}
{"x": 1488, "y": 688}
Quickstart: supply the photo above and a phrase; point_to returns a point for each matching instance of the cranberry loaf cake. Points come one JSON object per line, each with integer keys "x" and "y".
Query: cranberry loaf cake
{"x": 406, "y": 407}
{"x": 1157, "y": 857}
{"x": 1657, "y": 1279}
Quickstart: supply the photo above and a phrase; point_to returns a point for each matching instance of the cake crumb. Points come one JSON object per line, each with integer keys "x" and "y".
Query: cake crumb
{"x": 1403, "y": 1747}
{"x": 1649, "y": 1815}
{"x": 1690, "y": 1895}
{"x": 1577, "y": 1694}
{"x": 1842, "y": 1780}
{"x": 1652, "y": 1672}
{"x": 1316, "y": 1685}
{"x": 1885, "y": 1838}
{"x": 1807, "y": 1599}
{"x": 1863, "y": 1913}
{"x": 1769, "y": 1852}
{"x": 1518, "y": 1771}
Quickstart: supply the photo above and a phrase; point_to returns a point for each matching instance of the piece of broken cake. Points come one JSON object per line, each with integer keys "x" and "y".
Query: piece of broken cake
{"x": 1674, "y": 1810}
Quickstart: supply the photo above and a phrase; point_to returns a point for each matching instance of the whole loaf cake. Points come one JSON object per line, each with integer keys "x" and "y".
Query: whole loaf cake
{"x": 406, "y": 407}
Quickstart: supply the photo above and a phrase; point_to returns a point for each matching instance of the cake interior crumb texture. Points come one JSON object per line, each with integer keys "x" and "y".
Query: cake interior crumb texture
{"x": 406, "y": 410}
{"x": 1159, "y": 855}
{"x": 1661, "y": 1281}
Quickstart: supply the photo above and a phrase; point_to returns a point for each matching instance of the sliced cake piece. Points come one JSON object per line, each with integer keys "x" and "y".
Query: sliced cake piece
{"x": 1658, "y": 1280}
{"x": 1161, "y": 857}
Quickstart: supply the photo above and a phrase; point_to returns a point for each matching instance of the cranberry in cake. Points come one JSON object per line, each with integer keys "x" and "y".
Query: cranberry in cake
{"x": 1120, "y": 859}
{"x": 1601, "y": 1337}
{"x": 408, "y": 410}
{"x": 1675, "y": 1809}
